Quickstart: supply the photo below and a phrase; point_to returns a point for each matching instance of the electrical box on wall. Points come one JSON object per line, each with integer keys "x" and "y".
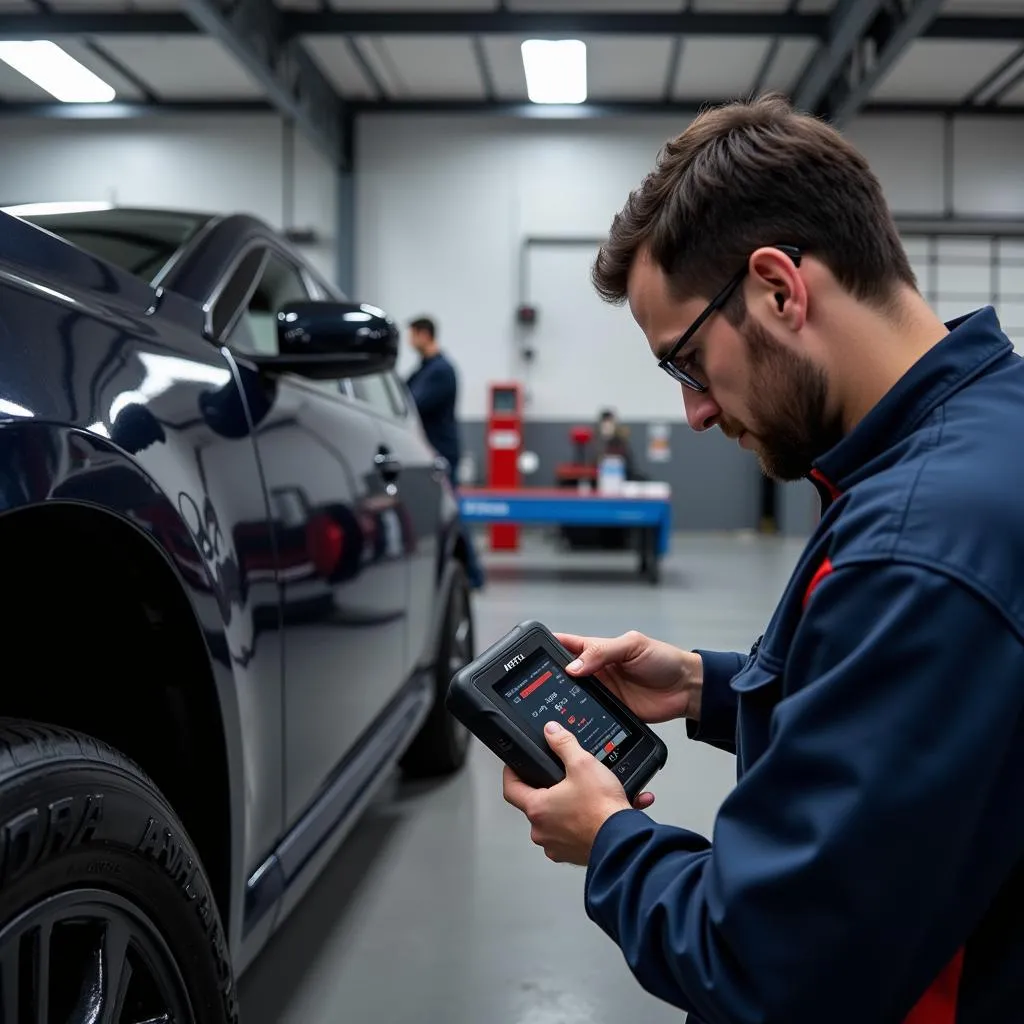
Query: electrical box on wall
{"x": 526, "y": 315}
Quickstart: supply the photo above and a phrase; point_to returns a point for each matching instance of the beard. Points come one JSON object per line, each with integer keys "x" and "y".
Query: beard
{"x": 789, "y": 408}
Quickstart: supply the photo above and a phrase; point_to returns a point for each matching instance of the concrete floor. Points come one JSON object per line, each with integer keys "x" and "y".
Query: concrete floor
{"x": 438, "y": 909}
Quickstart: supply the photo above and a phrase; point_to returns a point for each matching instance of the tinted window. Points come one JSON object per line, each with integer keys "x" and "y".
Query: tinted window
{"x": 398, "y": 395}
{"x": 236, "y": 290}
{"x": 373, "y": 390}
{"x": 139, "y": 241}
{"x": 256, "y": 331}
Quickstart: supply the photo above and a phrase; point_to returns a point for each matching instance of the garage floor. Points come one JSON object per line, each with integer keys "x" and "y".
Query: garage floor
{"x": 438, "y": 909}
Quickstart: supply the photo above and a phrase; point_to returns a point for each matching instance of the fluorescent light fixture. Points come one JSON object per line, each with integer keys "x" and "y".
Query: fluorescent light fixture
{"x": 57, "y": 72}
{"x": 556, "y": 70}
{"x": 42, "y": 209}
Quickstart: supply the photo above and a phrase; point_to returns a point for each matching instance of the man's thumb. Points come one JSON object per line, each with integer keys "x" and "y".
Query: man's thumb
{"x": 561, "y": 741}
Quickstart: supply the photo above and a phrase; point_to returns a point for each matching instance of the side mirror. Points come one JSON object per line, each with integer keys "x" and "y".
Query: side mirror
{"x": 325, "y": 340}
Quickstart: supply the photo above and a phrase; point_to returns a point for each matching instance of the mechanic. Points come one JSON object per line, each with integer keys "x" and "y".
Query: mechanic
{"x": 867, "y": 866}
{"x": 434, "y": 388}
{"x": 613, "y": 439}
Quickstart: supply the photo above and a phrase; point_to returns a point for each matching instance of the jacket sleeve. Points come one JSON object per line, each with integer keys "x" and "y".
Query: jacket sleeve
{"x": 717, "y": 725}
{"x": 433, "y": 389}
{"x": 845, "y": 870}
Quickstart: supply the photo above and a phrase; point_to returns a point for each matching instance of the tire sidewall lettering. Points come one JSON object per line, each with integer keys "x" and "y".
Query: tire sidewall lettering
{"x": 47, "y": 831}
{"x": 58, "y": 828}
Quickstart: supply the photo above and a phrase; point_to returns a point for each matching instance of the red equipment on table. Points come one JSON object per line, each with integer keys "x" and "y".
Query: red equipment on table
{"x": 581, "y": 437}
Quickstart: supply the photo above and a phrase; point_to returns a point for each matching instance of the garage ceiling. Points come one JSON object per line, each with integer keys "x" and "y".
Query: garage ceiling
{"x": 835, "y": 56}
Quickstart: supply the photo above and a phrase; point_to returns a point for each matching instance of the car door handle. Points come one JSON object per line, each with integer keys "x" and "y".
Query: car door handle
{"x": 387, "y": 464}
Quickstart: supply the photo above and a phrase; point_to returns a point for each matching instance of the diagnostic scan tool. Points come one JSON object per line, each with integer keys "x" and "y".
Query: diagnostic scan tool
{"x": 508, "y": 694}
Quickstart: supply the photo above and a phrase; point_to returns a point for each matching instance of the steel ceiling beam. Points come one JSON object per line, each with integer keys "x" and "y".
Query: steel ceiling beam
{"x": 252, "y": 32}
{"x": 976, "y": 29}
{"x": 96, "y": 23}
{"x": 848, "y": 24}
{"x": 556, "y": 23}
{"x": 516, "y": 23}
{"x": 528, "y": 111}
{"x": 597, "y": 109}
{"x": 126, "y": 110}
{"x": 895, "y": 32}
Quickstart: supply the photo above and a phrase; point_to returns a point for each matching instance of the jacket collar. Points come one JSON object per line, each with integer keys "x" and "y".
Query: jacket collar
{"x": 974, "y": 342}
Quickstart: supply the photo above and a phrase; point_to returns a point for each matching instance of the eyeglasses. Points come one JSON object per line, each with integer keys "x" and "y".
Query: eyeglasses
{"x": 668, "y": 361}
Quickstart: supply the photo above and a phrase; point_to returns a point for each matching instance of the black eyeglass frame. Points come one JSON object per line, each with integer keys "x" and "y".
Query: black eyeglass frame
{"x": 667, "y": 362}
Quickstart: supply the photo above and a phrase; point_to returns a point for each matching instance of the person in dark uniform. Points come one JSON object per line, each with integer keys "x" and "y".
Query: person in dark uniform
{"x": 434, "y": 386}
{"x": 868, "y": 865}
{"x": 613, "y": 439}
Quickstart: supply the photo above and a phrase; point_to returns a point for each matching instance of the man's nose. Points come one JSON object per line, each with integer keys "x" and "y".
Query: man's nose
{"x": 702, "y": 411}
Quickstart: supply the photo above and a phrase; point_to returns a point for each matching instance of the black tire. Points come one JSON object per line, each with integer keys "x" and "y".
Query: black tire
{"x": 441, "y": 745}
{"x": 96, "y": 871}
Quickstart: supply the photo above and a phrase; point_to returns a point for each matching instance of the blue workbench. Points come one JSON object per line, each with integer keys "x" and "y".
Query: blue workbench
{"x": 650, "y": 516}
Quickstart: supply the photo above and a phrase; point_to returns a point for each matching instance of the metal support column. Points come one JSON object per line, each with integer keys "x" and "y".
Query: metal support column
{"x": 345, "y": 216}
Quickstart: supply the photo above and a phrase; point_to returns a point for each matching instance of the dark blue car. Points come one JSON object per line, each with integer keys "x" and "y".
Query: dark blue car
{"x": 234, "y": 591}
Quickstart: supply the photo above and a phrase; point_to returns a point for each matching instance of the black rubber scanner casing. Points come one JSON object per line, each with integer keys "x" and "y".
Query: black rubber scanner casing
{"x": 474, "y": 701}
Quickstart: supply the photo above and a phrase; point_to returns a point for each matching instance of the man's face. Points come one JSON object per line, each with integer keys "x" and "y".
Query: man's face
{"x": 416, "y": 337}
{"x": 769, "y": 395}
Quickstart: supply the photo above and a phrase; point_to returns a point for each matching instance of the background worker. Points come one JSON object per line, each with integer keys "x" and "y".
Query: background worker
{"x": 613, "y": 439}
{"x": 434, "y": 386}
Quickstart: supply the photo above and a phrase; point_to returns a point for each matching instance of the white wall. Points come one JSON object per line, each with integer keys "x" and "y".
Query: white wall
{"x": 444, "y": 202}
{"x": 208, "y": 163}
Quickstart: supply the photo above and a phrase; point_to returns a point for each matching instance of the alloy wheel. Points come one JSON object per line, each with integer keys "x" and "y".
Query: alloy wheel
{"x": 87, "y": 956}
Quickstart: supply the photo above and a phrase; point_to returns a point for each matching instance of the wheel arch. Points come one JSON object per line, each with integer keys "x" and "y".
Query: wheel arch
{"x": 87, "y": 536}
{"x": 451, "y": 553}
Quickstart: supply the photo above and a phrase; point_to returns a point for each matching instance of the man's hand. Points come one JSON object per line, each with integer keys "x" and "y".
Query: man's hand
{"x": 567, "y": 817}
{"x": 656, "y": 681}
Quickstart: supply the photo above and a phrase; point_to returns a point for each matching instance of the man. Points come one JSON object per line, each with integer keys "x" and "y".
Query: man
{"x": 869, "y": 864}
{"x": 613, "y": 439}
{"x": 434, "y": 388}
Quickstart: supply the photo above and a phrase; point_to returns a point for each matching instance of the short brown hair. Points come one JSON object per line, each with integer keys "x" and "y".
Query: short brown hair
{"x": 425, "y": 325}
{"x": 747, "y": 174}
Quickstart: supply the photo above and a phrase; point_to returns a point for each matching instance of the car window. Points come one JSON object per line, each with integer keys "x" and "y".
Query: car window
{"x": 397, "y": 393}
{"x": 374, "y": 392}
{"x": 256, "y": 330}
{"x": 139, "y": 241}
{"x": 234, "y": 293}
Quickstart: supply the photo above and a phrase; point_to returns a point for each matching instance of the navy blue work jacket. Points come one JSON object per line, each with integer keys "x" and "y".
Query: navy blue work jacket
{"x": 434, "y": 388}
{"x": 869, "y": 864}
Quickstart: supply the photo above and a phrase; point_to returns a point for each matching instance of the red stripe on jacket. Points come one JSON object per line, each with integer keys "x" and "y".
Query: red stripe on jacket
{"x": 823, "y": 570}
{"x": 834, "y": 492}
{"x": 938, "y": 1004}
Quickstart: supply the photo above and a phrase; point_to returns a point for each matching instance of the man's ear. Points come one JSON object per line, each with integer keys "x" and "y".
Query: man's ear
{"x": 778, "y": 281}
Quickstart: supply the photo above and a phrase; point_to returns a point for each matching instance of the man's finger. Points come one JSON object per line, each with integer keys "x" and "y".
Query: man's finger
{"x": 564, "y": 744}
{"x": 643, "y": 801}
{"x": 516, "y": 792}
{"x": 599, "y": 652}
{"x": 572, "y": 643}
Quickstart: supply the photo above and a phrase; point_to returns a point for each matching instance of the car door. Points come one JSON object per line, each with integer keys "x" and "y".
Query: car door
{"x": 339, "y": 550}
{"x": 419, "y": 494}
